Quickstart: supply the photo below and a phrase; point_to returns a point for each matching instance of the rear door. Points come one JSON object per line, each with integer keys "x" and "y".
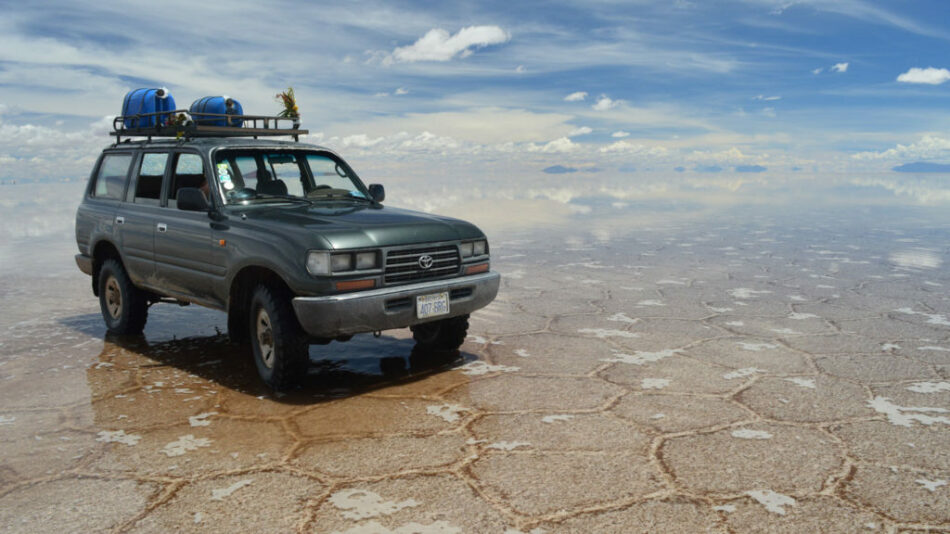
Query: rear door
{"x": 137, "y": 217}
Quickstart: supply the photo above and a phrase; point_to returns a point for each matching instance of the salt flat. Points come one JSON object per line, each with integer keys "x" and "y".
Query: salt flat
{"x": 750, "y": 370}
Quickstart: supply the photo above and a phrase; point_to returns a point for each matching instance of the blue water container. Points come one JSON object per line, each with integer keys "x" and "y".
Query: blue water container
{"x": 218, "y": 105}
{"x": 146, "y": 101}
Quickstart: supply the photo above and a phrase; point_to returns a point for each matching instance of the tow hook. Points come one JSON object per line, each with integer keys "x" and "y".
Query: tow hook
{"x": 377, "y": 333}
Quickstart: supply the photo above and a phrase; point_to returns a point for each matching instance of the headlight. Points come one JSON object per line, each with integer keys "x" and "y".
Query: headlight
{"x": 473, "y": 248}
{"x": 318, "y": 263}
{"x": 366, "y": 260}
{"x": 341, "y": 262}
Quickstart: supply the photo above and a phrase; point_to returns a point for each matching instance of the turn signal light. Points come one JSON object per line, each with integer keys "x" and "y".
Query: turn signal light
{"x": 475, "y": 269}
{"x": 350, "y": 285}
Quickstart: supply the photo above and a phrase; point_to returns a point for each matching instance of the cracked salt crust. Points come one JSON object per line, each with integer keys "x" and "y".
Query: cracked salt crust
{"x": 363, "y": 504}
{"x": 602, "y": 333}
{"x": 786, "y": 331}
{"x": 221, "y": 494}
{"x": 622, "y": 318}
{"x": 449, "y": 412}
{"x": 727, "y": 508}
{"x": 748, "y": 433}
{"x": 184, "y": 444}
{"x": 507, "y": 445}
{"x": 7, "y": 420}
{"x": 479, "y": 367}
{"x": 931, "y": 347}
{"x": 654, "y": 383}
{"x": 803, "y": 382}
{"x": 522, "y": 353}
{"x": 651, "y": 302}
{"x": 931, "y": 485}
{"x": 201, "y": 419}
{"x": 550, "y": 419}
{"x": 374, "y": 527}
{"x": 772, "y": 501}
{"x": 735, "y": 323}
{"x": 932, "y": 318}
{"x": 898, "y": 415}
{"x": 720, "y": 310}
{"x": 797, "y": 316}
{"x": 118, "y": 436}
{"x": 890, "y": 346}
{"x": 742, "y": 373}
{"x": 746, "y": 293}
{"x": 756, "y": 347}
{"x": 482, "y": 341}
{"x": 929, "y": 387}
{"x": 641, "y": 357}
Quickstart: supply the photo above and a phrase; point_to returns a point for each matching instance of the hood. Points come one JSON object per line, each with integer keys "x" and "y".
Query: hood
{"x": 347, "y": 225}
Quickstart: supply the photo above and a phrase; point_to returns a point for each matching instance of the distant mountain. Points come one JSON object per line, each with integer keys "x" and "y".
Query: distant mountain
{"x": 922, "y": 166}
{"x": 750, "y": 168}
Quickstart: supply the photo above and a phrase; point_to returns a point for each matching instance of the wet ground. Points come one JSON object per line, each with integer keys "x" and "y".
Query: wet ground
{"x": 745, "y": 372}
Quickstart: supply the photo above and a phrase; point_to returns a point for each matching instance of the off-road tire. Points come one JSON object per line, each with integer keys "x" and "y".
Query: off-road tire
{"x": 278, "y": 344}
{"x": 124, "y": 306}
{"x": 441, "y": 336}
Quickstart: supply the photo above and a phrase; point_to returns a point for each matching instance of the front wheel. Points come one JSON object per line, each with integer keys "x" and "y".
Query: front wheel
{"x": 441, "y": 336}
{"x": 124, "y": 306}
{"x": 279, "y": 346}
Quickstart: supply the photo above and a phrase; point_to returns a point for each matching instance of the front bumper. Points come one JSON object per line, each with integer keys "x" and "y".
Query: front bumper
{"x": 391, "y": 307}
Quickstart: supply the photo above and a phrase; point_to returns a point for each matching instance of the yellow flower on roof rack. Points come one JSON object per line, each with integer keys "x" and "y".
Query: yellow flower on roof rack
{"x": 289, "y": 101}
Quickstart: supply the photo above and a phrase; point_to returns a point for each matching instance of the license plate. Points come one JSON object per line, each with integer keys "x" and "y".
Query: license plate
{"x": 432, "y": 305}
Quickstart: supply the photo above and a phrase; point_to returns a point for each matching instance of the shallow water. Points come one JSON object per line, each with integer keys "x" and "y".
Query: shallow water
{"x": 773, "y": 359}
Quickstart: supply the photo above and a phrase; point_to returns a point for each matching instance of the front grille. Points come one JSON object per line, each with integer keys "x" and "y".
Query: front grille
{"x": 403, "y": 265}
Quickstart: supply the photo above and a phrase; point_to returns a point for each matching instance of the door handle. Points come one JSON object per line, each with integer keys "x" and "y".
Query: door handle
{"x": 161, "y": 227}
{"x": 120, "y": 220}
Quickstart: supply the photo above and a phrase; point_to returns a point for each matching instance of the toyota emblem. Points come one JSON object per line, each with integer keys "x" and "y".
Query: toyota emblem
{"x": 425, "y": 261}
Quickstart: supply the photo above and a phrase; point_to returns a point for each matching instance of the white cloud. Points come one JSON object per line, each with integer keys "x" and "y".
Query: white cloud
{"x": 767, "y": 98}
{"x": 576, "y": 97}
{"x": 729, "y": 156}
{"x": 620, "y": 134}
{"x": 817, "y": 71}
{"x": 604, "y": 103}
{"x": 520, "y": 69}
{"x": 439, "y": 45}
{"x": 557, "y": 146}
{"x": 401, "y": 91}
{"x": 361, "y": 140}
{"x": 840, "y": 67}
{"x": 583, "y": 130}
{"x": 929, "y": 147}
{"x": 929, "y": 76}
{"x": 627, "y": 147}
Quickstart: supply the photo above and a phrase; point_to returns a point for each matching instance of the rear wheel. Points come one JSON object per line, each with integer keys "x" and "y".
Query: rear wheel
{"x": 279, "y": 345}
{"x": 124, "y": 306}
{"x": 440, "y": 336}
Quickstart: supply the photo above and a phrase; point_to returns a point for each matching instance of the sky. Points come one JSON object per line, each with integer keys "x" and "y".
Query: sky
{"x": 512, "y": 90}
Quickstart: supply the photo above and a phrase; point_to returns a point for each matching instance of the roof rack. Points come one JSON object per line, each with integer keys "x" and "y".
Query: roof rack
{"x": 182, "y": 123}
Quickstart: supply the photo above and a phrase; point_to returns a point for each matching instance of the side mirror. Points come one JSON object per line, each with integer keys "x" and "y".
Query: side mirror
{"x": 378, "y": 192}
{"x": 192, "y": 199}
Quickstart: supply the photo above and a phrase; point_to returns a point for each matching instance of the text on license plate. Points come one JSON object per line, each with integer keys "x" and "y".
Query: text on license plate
{"x": 432, "y": 305}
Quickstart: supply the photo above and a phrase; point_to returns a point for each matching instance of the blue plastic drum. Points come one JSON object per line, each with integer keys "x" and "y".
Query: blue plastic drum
{"x": 144, "y": 101}
{"x": 216, "y": 105}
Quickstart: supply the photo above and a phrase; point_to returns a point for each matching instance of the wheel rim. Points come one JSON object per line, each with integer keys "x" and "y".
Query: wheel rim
{"x": 113, "y": 297}
{"x": 265, "y": 338}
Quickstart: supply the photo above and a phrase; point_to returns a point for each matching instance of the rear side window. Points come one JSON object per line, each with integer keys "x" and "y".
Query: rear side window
{"x": 148, "y": 187}
{"x": 110, "y": 181}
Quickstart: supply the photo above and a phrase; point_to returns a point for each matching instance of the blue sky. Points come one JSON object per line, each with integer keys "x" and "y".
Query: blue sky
{"x": 849, "y": 86}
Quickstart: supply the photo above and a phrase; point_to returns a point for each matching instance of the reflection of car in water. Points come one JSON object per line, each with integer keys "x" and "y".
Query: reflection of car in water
{"x": 289, "y": 242}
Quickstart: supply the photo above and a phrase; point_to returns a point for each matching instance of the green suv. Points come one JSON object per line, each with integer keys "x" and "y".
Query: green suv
{"x": 281, "y": 235}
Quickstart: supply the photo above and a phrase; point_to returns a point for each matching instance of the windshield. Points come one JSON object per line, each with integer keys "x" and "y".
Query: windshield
{"x": 249, "y": 176}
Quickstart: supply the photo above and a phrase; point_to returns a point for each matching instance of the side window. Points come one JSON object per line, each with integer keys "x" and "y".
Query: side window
{"x": 110, "y": 181}
{"x": 148, "y": 187}
{"x": 189, "y": 172}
